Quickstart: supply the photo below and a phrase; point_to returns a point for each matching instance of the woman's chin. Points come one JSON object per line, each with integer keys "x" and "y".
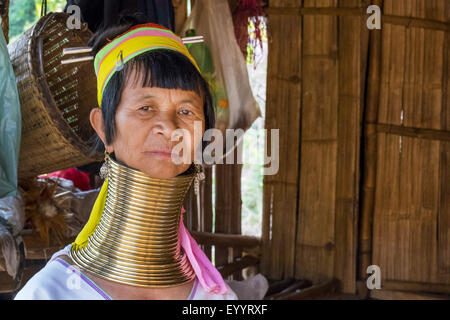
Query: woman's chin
{"x": 163, "y": 169}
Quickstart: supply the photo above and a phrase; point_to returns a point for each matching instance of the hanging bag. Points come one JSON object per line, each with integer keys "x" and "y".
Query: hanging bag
{"x": 10, "y": 124}
{"x": 234, "y": 102}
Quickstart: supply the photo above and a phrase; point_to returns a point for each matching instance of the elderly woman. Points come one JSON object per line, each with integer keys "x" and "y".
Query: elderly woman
{"x": 134, "y": 245}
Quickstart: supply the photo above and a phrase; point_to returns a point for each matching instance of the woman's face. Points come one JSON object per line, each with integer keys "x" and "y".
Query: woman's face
{"x": 145, "y": 120}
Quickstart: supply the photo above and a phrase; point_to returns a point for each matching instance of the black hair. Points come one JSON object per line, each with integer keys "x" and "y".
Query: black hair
{"x": 168, "y": 69}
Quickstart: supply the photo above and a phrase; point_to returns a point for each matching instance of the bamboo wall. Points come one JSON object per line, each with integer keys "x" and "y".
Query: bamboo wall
{"x": 364, "y": 143}
{"x": 411, "y": 209}
{"x": 316, "y": 70}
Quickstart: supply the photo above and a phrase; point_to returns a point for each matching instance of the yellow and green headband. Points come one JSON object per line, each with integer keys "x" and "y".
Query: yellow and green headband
{"x": 137, "y": 40}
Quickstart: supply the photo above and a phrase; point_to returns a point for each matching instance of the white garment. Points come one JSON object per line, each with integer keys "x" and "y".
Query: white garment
{"x": 60, "y": 281}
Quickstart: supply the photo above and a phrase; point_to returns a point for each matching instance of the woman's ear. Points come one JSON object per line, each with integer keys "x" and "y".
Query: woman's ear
{"x": 96, "y": 119}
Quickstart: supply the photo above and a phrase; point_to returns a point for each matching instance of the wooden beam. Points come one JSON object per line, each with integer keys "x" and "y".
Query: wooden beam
{"x": 294, "y": 287}
{"x": 415, "y": 22}
{"x": 383, "y": 294}
{"x": 416, "y": 287}
{"x": 352, "y": 61}
{"x": 227, "y": 240}
{"x": 388, "y": 19}
{"x": 237, "y": 265}
{"x": 228, "y": 205}
{"x": 317, "y": 291}
{"x": 329, "y": 11}
{"x": 421, "y": 133}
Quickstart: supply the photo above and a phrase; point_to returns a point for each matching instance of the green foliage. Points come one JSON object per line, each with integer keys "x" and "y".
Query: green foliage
{"x": 24, "y": 13}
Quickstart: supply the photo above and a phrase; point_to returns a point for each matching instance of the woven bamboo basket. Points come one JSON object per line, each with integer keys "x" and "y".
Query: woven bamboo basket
{"x": 55, "y": 98}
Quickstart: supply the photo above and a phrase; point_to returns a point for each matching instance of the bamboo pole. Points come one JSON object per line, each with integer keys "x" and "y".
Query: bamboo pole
{"x": 326, "y": 11}
{"x": 319, "y": 291}
{"x": 180, "y": 10}
{"x": 349, "y": 131}
{"x": 228, "y": 209}
{"x": 403, "y": 295}
{"x": 421, "y": 133}
{"x": 443, "y": 216}
{"x": 416, "y": 286}
{"x": 237, "y": 265}
{"x": 370, "y": 151}
{"x": 207, "y": 207}
{"x": 297, "y": 286}
{"x": 390, "y": 19}
{"x": 226, "y": 240}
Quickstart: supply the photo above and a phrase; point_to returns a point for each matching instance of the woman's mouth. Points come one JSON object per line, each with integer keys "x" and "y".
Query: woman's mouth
{"x": 161, "y": 154}
{"x": 164, "y": 154}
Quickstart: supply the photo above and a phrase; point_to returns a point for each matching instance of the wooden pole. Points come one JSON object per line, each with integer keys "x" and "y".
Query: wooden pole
{"x": 180, "y": 8}
{"x": 228, "y": 209}
{"x": 207, "y": 208}
{"x": 228, "y": 240}
{"x": 370, "y": 151}
{"x": 237, "y": 265}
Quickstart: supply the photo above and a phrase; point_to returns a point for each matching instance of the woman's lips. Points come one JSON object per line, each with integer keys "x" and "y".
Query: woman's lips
{"x": 161, "y": 154}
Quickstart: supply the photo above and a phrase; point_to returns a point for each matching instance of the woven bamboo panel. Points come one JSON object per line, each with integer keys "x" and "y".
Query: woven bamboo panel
{"x": 55, "y": 99}
{"x": 411, "y": 222}
{"x": 315, "y": 96}
{"x": 315, "y": 251}
{"x": 283, "y": 109}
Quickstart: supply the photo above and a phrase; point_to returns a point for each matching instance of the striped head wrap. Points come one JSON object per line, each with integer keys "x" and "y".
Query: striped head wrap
{"x": 137, "y": 40}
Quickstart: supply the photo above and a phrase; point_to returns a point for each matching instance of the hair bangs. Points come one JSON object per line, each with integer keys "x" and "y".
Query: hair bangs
{"x": 163, "y": 68}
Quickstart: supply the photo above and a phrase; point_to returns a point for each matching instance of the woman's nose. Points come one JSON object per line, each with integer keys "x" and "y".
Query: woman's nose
{"x": 164, "y": 124}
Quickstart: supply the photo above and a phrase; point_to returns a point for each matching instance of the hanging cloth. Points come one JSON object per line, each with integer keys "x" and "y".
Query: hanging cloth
{"x": 10, "y": 124}
{"x": 156, "y": 11}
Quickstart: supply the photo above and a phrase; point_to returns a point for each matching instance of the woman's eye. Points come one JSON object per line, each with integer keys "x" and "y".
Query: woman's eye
{"x": 185, "y": 112}
{"x": 144, "y": 108}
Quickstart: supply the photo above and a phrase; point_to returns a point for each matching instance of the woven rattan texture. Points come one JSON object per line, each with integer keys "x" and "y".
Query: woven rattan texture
{"x": 55, "y": 98}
